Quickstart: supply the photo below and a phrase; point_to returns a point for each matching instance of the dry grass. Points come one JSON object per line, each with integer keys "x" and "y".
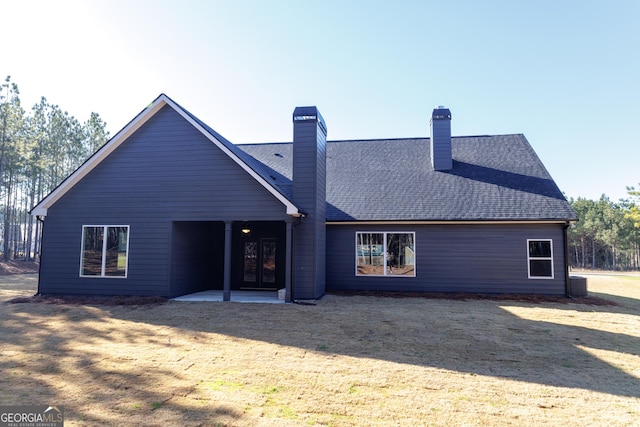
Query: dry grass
{"x": 350, "y": 360}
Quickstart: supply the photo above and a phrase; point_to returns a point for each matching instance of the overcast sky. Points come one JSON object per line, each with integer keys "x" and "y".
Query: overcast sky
{"x": 566, "y": 74}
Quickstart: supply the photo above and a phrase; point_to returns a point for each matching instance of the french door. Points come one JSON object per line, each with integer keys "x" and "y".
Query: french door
{"x": 259, "y": 264}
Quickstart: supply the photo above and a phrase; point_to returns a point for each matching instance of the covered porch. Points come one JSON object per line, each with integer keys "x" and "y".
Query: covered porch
{"x": 231, "y": 260}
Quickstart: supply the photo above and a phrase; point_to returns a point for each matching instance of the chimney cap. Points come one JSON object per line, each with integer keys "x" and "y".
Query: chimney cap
{"x": 309, "y": 114}
{"x": 441, "y": 113}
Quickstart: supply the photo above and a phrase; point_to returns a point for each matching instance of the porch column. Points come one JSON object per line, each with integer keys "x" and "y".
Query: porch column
{"x": 226, "y": 293}
{"x": 288, "y": 262}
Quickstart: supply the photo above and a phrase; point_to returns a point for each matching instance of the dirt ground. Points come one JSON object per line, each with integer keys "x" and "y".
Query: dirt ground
{"x": 347, "y": 361}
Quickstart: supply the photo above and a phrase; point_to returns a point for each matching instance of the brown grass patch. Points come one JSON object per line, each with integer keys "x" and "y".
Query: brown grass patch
{"x": 358, "y": 360}
{"x": 88, "y": 300}
{"x": 463, "y": 296}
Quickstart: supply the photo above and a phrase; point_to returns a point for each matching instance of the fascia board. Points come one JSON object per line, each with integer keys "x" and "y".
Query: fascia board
{"x": 453, "y": 222}
{"x": 291, "y": 208}
{"x": 42, "y": 207}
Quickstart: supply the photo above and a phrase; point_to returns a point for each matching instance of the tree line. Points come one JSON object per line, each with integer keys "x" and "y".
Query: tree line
{"x": 607, "y": 236}
{"x": 38, "y": 149}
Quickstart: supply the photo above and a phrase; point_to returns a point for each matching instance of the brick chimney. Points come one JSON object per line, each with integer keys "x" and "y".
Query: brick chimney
{"x": 309, "y": 194}
{"x": 441, "y": 139}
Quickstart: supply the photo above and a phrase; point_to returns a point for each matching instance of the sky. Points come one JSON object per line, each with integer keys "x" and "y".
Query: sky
{"x": 566, "y": 74}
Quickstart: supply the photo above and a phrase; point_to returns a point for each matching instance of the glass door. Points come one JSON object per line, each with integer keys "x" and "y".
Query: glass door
{"x": 268, "y": 256}
{"x": 259, "y": 266}
{"x": 250, "y": 267}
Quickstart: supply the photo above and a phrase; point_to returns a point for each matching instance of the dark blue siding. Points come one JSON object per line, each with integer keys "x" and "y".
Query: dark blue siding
{"x": 197, "y": 256}
{"x": 453, "y": 258}
{"x": 166, "y": 171}
{"x": 309, "y": 193}
{"x": 441, "y": 139}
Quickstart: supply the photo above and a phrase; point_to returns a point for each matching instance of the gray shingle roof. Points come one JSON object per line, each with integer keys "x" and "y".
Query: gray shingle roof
{"x": 496, "y": 178}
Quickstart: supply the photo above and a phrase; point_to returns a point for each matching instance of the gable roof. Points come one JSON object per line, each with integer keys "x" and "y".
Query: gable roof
{"x": 494, "y": 178}
{"x": 249, "y": 164}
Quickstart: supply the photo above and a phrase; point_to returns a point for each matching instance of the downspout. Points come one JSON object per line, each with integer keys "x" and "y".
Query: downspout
{"x": 39, "y": 218}
{"x": 567, "y": 278}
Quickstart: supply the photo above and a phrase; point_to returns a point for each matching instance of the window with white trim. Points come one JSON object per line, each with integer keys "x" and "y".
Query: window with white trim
{"x": 540, "y": 258}
{"x": 105, "y": 250}
{"x": 385, "y": 254}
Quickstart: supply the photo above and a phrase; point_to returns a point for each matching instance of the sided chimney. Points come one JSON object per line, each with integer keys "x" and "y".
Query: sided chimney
{"x": 309, "y": 194}
{"x": 441, "y": 139}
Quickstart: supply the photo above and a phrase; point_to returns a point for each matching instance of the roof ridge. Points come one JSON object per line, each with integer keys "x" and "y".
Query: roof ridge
{"x": 413, "y": 138}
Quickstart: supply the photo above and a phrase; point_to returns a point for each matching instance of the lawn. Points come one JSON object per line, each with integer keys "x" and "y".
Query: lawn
{"x": 347, "y": 361}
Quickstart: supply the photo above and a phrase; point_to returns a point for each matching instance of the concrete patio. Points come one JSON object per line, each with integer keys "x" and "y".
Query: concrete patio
{"x": 265, "y": 297}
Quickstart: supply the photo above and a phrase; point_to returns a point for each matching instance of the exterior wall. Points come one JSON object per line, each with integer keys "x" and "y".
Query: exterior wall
{"x": 441, "y": 139}
{"x": 453, "y": 258}
{"x": 309, "y": 193}
{"x": 197, "y": 256}
{"x": 166, "y": 171}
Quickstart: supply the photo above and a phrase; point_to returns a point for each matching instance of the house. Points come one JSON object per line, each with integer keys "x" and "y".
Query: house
{"x": 169, "y": 207}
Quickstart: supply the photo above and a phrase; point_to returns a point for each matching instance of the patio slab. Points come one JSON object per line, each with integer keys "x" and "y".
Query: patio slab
{"x": 265, "y": 297}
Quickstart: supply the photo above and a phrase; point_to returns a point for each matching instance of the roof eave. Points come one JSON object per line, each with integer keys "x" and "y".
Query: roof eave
{"x": 42, "y": 207}
{"x": 291, "y": 208}
{"x": 451, "y": 221}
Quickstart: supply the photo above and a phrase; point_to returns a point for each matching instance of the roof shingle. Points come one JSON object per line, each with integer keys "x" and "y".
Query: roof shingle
{"x": 494, "y": 178}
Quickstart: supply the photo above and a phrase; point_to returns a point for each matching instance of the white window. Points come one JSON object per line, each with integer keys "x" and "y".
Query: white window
{"x": 385, "y": 254}
{"x": 105, "y": 250}
{"x": 540, "y": 258}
